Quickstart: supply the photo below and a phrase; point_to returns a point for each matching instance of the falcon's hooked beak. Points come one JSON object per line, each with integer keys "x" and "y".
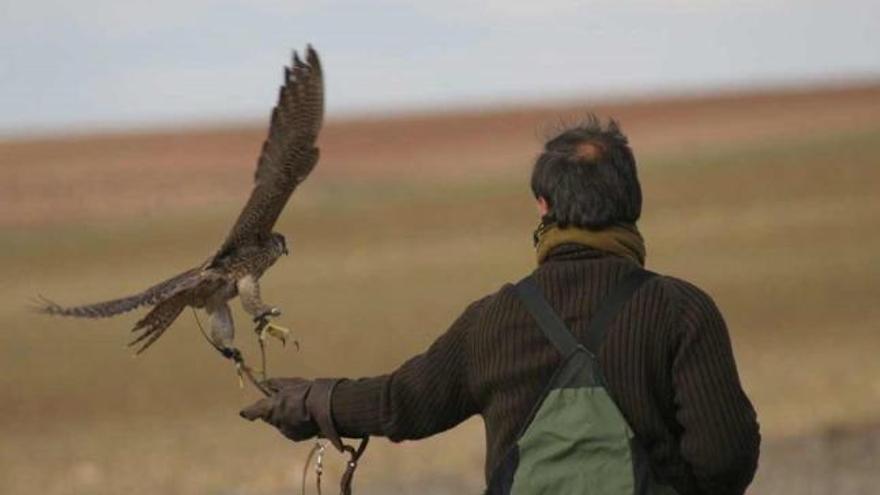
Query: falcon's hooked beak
{"x": 283, "y": 243}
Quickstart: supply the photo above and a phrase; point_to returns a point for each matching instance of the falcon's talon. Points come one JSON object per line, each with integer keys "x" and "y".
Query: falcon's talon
{"x": 239, "y": 371}
{"x": 273, "y": 330}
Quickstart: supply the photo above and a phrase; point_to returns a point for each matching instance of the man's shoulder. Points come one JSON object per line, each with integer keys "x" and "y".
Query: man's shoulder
{"x": 682, "y": 294}
{"x": 501, "y": 296}
{"x": 675, "y": 286}
{"x": 505, "y": 291}
{"x": 695, "y": 307}
{"x": 685, "y": 292}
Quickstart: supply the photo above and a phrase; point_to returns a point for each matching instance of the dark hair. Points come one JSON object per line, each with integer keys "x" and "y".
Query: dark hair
{"x": 587, "y": 175}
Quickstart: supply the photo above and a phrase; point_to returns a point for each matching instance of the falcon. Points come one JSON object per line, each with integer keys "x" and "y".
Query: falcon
{"x": 288, "y": 156}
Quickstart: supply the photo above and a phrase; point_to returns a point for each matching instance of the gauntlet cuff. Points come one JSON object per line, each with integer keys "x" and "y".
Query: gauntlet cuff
{"x": 318, "y": 405}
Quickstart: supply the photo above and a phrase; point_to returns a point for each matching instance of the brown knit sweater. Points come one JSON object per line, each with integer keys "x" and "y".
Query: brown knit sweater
{"x": 667, "y": 360}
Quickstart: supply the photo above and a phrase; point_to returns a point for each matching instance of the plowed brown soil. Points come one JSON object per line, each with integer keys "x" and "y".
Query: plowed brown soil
{"x": 55, "y": 180}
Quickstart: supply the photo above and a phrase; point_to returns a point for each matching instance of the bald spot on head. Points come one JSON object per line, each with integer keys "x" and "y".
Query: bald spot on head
{"x": 590, "y": 151}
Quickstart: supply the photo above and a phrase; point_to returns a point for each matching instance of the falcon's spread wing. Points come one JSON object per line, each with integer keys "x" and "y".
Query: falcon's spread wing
{"x": 288, "y": 154}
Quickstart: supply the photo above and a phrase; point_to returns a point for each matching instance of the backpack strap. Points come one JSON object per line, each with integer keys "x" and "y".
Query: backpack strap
{"x": 610, "y": 306}
{"x": 558, "y": 333}
{"x": 549, "y": 322}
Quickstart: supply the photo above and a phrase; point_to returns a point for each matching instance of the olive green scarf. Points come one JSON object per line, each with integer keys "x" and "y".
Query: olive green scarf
{"x": 620, "y": 239}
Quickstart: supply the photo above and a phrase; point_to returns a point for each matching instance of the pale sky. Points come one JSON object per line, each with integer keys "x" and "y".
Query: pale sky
{"x": 76, "y": 66}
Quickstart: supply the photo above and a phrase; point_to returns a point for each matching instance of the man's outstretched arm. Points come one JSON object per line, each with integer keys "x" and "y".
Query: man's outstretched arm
{"x": 426, "y": 395}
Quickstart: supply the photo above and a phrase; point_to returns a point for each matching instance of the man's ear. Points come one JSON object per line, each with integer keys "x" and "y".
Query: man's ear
{"x": 543, "y": 206}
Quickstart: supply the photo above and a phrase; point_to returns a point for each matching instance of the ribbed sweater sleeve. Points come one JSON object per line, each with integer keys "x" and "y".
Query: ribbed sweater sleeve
{"x": 426, "y": 395}
{"x": 720, "y": 429}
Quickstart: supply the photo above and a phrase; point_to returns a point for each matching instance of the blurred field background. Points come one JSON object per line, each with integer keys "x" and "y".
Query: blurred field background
{"x": 768, "y": 200}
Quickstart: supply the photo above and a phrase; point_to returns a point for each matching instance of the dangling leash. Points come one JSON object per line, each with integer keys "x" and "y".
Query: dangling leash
{"x": 318, "y": 450}
{"x": 351, "y": 465}
{"x": 319, "y": 467}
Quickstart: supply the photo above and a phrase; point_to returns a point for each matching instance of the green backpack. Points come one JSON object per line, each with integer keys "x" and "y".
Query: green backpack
{"x": 576, "y": 441}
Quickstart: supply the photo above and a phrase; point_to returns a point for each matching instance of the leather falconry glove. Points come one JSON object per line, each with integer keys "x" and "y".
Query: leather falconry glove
{"x": 299, "y": 408}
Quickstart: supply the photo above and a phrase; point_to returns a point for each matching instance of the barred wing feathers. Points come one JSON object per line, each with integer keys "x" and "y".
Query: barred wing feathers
{"x": 288, "y": 155}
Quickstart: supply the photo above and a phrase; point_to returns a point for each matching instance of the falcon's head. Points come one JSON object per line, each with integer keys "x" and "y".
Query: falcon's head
{"x": 278, "y": 244}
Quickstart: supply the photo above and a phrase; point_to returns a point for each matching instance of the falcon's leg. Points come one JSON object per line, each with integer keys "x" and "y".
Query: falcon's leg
{"x": 223, "y": 334}
{"x": 222, "y": 328}
{"x": 249, "y": 293}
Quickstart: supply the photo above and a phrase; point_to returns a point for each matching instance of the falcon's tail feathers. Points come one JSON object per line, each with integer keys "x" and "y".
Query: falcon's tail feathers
{"x": 150, "y": 297}
{"x": 154, "y": 324}
{"x": 104, "y": 309}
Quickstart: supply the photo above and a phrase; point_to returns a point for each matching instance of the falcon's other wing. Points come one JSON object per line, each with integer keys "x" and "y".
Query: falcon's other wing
{"x": 288, "y": 154}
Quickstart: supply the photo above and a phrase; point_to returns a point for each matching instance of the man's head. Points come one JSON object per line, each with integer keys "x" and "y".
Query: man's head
{"x": 586, "y": 177}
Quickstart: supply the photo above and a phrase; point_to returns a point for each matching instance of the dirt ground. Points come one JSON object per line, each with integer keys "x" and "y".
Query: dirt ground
{"x": 769, "y": 202}
{"x": 836, "y": 460}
